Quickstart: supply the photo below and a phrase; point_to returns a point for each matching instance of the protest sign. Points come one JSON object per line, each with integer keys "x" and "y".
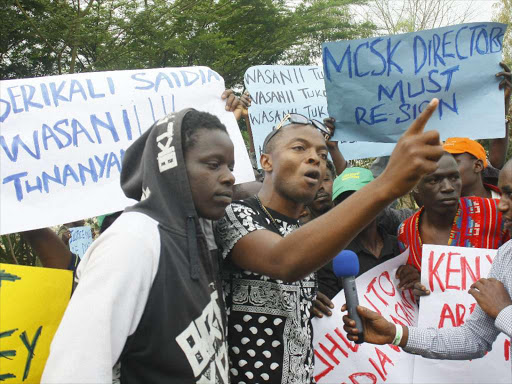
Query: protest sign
{"x": 338, "y": 360}
{"x": 62, "y": 138}
{"x": 32, "y": 303}
{"x": 376, "y": 87}
{"x": 448, "y": 272}
{"x": 81, "y": 239}
{"x": 280, "y": 89}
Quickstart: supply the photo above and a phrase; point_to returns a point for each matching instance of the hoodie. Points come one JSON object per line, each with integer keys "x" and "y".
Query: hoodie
{"x": 149, "y": 284}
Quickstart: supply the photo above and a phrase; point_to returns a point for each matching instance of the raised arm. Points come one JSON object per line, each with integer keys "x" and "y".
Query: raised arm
{"x": 307, "y": 249}
{"x": 50, "y": 249}
{"x": 337, "y": 157}
{"x": 498, "y": 147}
{"x": 235, "y": 104}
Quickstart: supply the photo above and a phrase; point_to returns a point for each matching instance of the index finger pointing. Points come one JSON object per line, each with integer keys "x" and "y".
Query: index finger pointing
{"x": 418, "y": 125}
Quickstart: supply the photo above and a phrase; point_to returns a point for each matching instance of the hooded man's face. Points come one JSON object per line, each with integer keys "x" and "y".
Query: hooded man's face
{"x": 210, "y": 163}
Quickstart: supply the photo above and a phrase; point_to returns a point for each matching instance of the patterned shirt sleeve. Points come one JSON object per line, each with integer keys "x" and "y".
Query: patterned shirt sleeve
{"x": 477, "y": 335}
{"x": 238, "y": 221}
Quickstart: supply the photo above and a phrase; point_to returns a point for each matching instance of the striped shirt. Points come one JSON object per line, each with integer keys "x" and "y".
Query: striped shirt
{"x": 474, "y": 338}
{"x": 477, "y": 224}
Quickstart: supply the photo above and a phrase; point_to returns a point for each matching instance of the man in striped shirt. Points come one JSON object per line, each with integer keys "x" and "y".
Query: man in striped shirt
{"x": 448, "y": 219}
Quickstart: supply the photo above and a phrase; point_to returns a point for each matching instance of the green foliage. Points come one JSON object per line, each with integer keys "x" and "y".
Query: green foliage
{"x": 47, "y": 37}
{"x": 504, "y": 15}
{"x": 14, "y": 249}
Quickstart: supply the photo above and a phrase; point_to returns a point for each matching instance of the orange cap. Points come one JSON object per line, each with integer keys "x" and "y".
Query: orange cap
{"x": 455, "y": 145}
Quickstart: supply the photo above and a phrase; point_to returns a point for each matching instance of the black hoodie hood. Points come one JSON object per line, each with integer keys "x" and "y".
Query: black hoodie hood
{"x": 154, "y": 173}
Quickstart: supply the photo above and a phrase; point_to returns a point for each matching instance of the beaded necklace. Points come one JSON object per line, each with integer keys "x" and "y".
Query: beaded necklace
{"x": 269, "y": 216}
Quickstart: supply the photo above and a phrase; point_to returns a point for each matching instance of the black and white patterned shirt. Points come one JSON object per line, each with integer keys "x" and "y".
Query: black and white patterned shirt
{"x": 269, "y": 329}
{"x": 477, "y": 335}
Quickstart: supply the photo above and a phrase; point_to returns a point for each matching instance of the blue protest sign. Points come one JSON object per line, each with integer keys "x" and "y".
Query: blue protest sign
{"x": 376, "y": 87}
{"x": 363, "y": 149}
{"x": 81, "y": 239}
{"x": 280, "y": 89}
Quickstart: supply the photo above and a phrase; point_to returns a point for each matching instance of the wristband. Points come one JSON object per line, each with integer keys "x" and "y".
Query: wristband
{"x": 398, "y": 335}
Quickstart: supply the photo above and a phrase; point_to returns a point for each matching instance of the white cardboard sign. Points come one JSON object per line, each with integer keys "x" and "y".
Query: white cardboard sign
{"x": 280, "y": 89}
{"x": 449, "y": 272}
{"x": 338, "y": 360}
{"x": 62, "y": 138}
{"x": 453, "y": 270}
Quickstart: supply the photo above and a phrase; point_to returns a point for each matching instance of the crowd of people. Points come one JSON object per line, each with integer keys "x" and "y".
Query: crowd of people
{"x": 203, "y": 280}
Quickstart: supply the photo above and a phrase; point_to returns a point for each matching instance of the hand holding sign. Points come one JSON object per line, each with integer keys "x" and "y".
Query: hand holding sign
{"x": 416, "y": 154}
{"x": 235, "y": 104}
{"x": 337, "y": 157}
{"x": 409, "y": 278}
{"x": 321, "y": 305}
{"x": 231, "y": 100}
{"x": 506, "y": 84}
{"x": 243, "y": 107}
{"x": 491, "y": 296}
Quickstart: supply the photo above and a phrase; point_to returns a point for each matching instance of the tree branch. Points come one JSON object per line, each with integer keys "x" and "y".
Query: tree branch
{"x": 34, "y": 26}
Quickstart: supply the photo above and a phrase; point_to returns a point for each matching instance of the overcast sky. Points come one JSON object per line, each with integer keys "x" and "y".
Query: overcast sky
{"x": 480, "y": 10}
{"x": 484, "y": 9}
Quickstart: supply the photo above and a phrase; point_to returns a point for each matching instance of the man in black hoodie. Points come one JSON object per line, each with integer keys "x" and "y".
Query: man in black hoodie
{"x": 148, "y": 302}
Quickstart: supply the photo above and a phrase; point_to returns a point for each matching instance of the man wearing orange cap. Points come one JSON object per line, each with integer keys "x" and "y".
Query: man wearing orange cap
{"x": 471, "y": 160}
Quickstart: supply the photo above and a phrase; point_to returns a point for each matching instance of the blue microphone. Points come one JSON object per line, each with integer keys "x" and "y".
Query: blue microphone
{"x": 346, "y": 265}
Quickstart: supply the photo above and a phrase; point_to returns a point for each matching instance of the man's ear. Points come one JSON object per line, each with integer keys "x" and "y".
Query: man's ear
{"x": 416, "y": 196}
{"x": 266, "y": 162}
{"x": 478, "y": 166}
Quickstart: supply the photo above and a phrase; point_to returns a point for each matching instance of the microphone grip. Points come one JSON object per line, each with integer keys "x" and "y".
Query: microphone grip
{"x": 350, "y": 289}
